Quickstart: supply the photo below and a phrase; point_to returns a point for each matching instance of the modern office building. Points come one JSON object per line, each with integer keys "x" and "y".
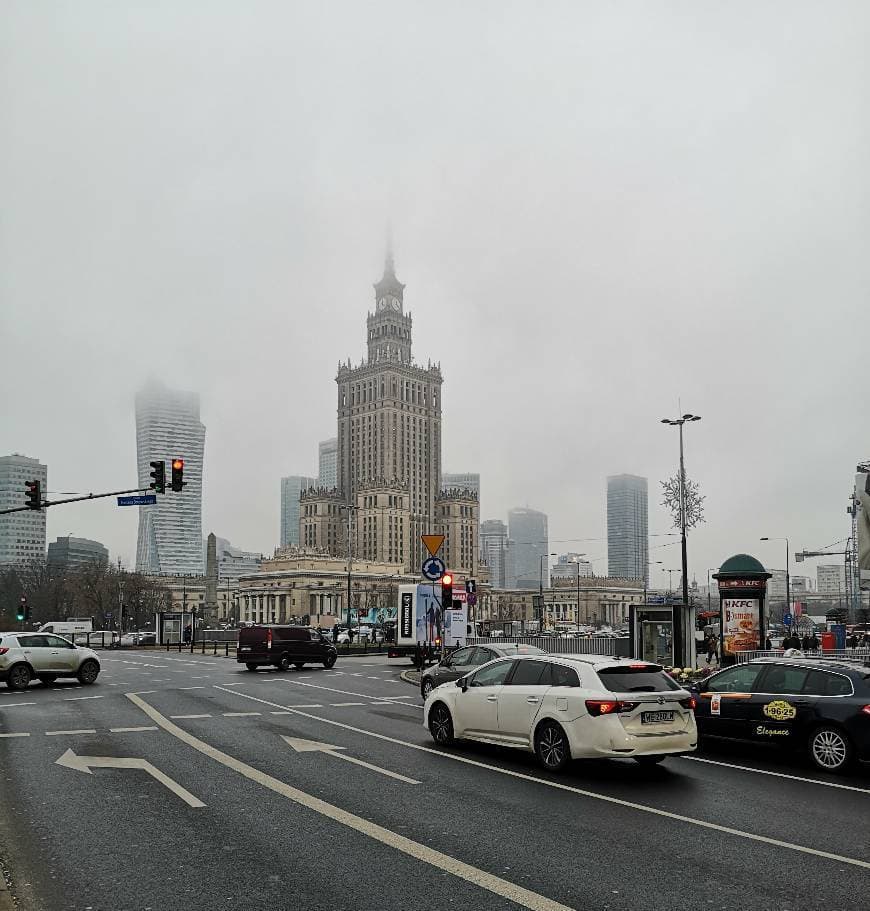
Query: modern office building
{"x": 72, "y": 553}
{"x": 291, "y": 489}
{"x": 530, "y": 546}
{"x": 22, "y": 534}
{"x": 627, "y": 527}
{"x": 327, "y": 464}
{"x": 389, "y": 437}
{"x": 494, "y": 551}
{"x": 569, "y": 566}
{"x": 170, "y": 532}
{"x": 831, "y": 579}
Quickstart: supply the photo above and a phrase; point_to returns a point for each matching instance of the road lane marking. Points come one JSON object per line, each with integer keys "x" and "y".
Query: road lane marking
{"x": 79, "y": 698}
{"x": 240, "y": 714}
{"x": 85, "y": 763}
{"x": 13, "y": 705}
{"x": 333, "y": 690}
{"x": 495, "y": 884}
{"x": 133, "y": 730}
{"x": 745, "y": 768}
{"x": 82, "y": 731}
{"x": 188, "y": 716}
{"x": 192, "y": 687}
{"x": 314, "y": 746}
{"x": 27, "y": 735}
{"x": 336, "y": 705}
{"x": 655, "y": 811}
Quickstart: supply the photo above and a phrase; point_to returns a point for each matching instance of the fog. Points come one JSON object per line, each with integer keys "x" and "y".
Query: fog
{"x": 603, "y": 213}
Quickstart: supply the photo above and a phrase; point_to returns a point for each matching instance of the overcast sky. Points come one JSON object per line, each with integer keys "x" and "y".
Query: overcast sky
{"x": 599, "y": 210}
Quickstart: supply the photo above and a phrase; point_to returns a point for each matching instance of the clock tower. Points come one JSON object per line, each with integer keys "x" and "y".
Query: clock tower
{"x": 389, "y": 328}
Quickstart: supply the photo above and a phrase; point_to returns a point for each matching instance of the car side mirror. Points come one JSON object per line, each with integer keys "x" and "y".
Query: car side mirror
{"x": 462, "y": 683}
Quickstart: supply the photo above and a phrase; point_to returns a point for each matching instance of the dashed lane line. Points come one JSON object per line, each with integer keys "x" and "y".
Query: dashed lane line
{"x": 494, "y": 884}
{"x": 185, "y": 716}
{"x": 201, "y": 687}
{"x": 15, "y": 705}
{"x": 746, "y": 768}
{"x": 331, "y": 689}
{"x": 79, "y": 698}
{"x": 2, "y": 736}
{"x": 343, "y": 704}
{"x": 136, "y": 730}
{"x": 82, "y": 731}
{"x": 606, "y": 798}
{"x": 237, "y": 714}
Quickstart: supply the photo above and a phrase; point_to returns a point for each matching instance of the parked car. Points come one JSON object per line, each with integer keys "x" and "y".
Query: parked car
{"x": 818, "y": 705}
{"x": 464, "y": 660}
{"x": 25, "y": 656}
{"x": 564, "y": 707}
{"x": 281, "y": 646}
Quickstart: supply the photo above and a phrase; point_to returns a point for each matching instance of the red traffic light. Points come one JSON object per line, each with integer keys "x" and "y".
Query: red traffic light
{"x": 178, "y": 464}
{"x": 177, "y": 475}
{"x": 447, "y": 579}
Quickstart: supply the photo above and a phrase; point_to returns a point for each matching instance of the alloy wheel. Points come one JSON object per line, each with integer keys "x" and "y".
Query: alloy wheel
{"x": 830, "y": 749}
{"x": 441, "y": 724}
{"x": 552, "y": 747}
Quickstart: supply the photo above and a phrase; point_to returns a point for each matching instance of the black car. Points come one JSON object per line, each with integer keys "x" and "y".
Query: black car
{"x": 464, "y": 660}
{"x": 281, "y": 646}
{"x": 814, "y": 704}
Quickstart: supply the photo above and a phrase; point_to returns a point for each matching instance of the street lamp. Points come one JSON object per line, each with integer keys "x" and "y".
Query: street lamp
{"x": 679, "y": 638}
{"x": 541, "y": 591}
{"x": 577, "y": 609}
{"x": 712, "y": 569}
{"x": 787, "y": 577}
{"x": 670, "y": 573}
{"x": 645, "y": 584}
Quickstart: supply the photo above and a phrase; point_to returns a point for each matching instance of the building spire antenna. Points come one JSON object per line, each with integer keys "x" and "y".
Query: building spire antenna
{"x": 389, "y": 263}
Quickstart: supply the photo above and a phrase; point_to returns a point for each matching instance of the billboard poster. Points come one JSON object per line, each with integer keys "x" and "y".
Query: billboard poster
{"x": 429, "y": 617}
{"x": 862, "y": 517}
{"x": 741, "y": 629}
{"x": 406, "y": 614}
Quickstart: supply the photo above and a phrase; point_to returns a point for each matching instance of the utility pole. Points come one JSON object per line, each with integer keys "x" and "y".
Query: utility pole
{"x": 350, "y": 510}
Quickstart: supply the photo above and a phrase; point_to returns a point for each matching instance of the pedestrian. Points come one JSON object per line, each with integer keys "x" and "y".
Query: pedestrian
{"x": 805, "y": 643}
{"x": 767, "y": 644}
{"x": 418, "y": 657}
{"x": 187, "y": 634}
{"x": 814, "y": 642}
{"x": 865, "y": 641}
{"x": 335, "y": 634}
{"x": 711, "y": 648}
{"x": 853, "y": 641}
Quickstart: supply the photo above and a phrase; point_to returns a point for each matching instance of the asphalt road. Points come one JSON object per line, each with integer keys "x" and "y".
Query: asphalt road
{"x": 230, "y": 814}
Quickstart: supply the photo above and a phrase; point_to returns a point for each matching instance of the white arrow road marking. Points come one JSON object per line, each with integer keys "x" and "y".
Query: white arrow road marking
{"x": 495, "y": 884}
{"x": 85, "y": 763}
{"x": 312, "y": 746}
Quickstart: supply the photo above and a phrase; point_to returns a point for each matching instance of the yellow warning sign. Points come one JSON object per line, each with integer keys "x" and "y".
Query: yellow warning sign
{"x": 433, "y": 543}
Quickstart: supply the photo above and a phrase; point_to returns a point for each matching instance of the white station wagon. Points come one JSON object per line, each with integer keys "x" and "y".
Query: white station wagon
{"x": 565, "y": 707}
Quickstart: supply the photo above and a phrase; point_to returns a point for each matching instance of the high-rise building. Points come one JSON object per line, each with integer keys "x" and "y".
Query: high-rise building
{"x": 570, "y": 566}
{"x": 22, "y": 534}
{"x": 327, "y": 464}
{"x": 458, "y": 519}
{"x": 463, "y": 481}
{"x": 494, "y": 551}
{"x": 389, "y": 431}
{"x": 528, "y": 532}
{"x": 73, "y": 553}
{"x": 170, "y": 532}
{"x": 291, "y": 489}
{"x": 627, "y": 527}
{"x": 831, "y": 579}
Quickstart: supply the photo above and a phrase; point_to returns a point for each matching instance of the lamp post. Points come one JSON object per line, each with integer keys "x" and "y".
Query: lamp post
{"x": 670, "y": 573}
{"x": 679, "y": 633}
{"x": 645, "y": 584}
{"x": 712, "y": 569}
{"x": 541, "y": 591}
{"x": 577, "y": 609}
{"x": 787, "y": 577}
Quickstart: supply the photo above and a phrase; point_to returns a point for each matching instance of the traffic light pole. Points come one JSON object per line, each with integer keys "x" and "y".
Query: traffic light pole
{"x": 91, "y": 496}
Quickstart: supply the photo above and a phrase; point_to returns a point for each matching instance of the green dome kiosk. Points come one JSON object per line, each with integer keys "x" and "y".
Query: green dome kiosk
{"x": 742, "y": 611}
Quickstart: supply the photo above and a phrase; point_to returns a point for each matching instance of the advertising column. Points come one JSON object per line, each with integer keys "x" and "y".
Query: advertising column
{"x": 742, "y": 617}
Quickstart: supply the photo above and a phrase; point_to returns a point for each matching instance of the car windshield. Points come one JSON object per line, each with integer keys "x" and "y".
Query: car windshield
{"x": 627, "y": 679}
{"x": 519, "y": 649}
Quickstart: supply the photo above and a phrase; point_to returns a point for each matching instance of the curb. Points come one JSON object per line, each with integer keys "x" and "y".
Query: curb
{"x": 6, "y": 903}
{"x": 412, "y": 677}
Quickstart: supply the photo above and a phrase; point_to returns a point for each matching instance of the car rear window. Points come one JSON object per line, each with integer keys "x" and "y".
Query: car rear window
{"x": 821, "y": 683}
{"x": 252, "y": 635}
{"x": 627, "y": 679}
{"x": 512, "y": 648}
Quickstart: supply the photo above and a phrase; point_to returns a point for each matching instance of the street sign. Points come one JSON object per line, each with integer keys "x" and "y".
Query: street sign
{"x": 433, "y": 543}
{"x": 787, "y": 620}
{"x": 433, "y": 569}
{"x": 471, "y": 586}
{"x": 148, "y": 499}
{"x": 655, "y": 599}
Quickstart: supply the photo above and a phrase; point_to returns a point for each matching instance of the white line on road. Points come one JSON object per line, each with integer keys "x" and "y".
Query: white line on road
{"x": 313, "y": 746}
{"x": 79, "y": 698}
{"x": 240, "y": 714}
{"x": 201, "y": 687}
{"x": 495, "y": 884}
{"x": 133, "y": 730}
{"x": 27, "y": 735}
{"x": 13, "y": 705}
{"x": 746, "y": 768}
{"x": 343, "y": 704}
{"x": 82, "y": 731}
{"x": 331, "y": 689}
{"x": 186, "y": 716}
{"x": 655, "y": 811}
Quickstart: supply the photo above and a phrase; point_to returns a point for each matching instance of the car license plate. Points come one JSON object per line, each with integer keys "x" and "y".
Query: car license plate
{"x": 655, "y": 717}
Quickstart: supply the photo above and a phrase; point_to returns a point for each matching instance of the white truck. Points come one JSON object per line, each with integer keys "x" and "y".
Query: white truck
{"x": 69, "y": 627}
{"x": 421, "y": 618}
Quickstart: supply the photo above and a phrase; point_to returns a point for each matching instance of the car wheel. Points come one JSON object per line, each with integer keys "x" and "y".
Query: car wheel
{"x": 283, "y": 663}
{"x": 251, "y": 666}
{"x": 18, "y": 677}
{"x": 441, "y": 724}
{"x": 47, "y": 679}
{"x": 88, "y": 672}
{"x": 299, "y": 665}
{"x": 830, "y": 750}
{"x": 426, "y": 687}
{"x": 551, "y": 746}
{"x": 329, "y": 662}
{"x": 648, "y": 760}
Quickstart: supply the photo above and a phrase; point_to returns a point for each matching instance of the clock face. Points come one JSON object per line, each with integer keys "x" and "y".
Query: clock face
{"x": 382, "y": 303}
{"x": 395, "y": 303}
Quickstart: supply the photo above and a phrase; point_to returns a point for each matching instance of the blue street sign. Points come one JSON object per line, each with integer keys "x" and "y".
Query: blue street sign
{"x": 433, "y": 568}
{"x": 655, "y": 599}
{"x": 787, "y": 620}
{"x": 148, "y": 499}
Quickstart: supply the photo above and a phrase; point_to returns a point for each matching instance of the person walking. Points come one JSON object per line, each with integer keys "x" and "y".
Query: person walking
{"x": 188, "y": 632}
{"x": 805, "y": 643}
{"x": 418, "y": 657}
{"x": 711, "y": 648}
{"x": 814, "y": 642}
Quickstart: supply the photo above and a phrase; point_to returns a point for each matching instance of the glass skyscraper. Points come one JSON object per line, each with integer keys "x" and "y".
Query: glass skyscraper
{"x": 627, "y": 527}
{"x": 529, "y": 541}
{"x": 291, "y": 487}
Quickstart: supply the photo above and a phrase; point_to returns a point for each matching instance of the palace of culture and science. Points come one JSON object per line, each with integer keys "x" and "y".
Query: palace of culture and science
{"x": 389, "y": 455}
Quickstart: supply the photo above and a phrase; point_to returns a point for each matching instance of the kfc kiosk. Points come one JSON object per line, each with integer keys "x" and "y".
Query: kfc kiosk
{"x": 742, "y": 613}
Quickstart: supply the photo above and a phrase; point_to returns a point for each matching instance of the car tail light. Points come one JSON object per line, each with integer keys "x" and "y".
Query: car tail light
{"x": 689, "y": 703}
{"x": 865, "y": 710}
{"x": 598, "y": 707}
{"x": 3, "y": 650}
{"x": 392, "y": 653}
{"x": 268, "y": 638}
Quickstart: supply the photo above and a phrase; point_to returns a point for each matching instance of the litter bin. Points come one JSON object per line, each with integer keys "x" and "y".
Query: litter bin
{"x": 829, "y": 642}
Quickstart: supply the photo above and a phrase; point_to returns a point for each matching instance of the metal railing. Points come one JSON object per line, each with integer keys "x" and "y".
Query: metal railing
{"x": 856, "y": 654}
{"x": 598, "y": 645}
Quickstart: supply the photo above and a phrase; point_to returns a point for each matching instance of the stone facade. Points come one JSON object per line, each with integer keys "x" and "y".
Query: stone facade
{"x": 457, "y": 514}
{"x": 322, "y": 520}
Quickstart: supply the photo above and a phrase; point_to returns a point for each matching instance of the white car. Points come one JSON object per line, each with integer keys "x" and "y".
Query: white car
{"x": 564, "y": 707}
{"x": 25, "y": 656}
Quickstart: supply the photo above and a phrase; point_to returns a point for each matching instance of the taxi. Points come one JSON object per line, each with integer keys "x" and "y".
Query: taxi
{"x": 820, "y": 705}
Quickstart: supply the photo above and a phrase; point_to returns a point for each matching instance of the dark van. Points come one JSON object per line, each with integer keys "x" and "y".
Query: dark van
{"x": 281, "y": 646}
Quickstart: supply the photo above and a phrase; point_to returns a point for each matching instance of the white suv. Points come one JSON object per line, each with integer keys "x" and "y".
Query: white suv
{"x": 565, "y": 707}
{"x": 46, "y": 657}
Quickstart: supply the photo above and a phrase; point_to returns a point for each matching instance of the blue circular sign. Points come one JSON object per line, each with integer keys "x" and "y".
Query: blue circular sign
{"x": 433, "y": 568}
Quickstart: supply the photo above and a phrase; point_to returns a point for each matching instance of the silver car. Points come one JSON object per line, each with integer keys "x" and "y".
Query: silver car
{"x": 25, "y": 656}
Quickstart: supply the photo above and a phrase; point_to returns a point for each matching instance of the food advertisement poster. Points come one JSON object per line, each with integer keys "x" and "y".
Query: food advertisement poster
{"x": 741, "y": 630}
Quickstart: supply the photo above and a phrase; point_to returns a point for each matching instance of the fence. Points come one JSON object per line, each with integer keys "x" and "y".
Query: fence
{"x": 856, "y": 654}
{"x": 598, "y": 645}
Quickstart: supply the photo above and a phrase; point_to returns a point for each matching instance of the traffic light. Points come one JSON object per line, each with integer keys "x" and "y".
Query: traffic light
{"x": 158, "y": 472}
{"x": 21, "y": 614}
{"x": 177, "y": 474}
{"x": 34, "y": 494}
{"x": 447, "y": 591}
